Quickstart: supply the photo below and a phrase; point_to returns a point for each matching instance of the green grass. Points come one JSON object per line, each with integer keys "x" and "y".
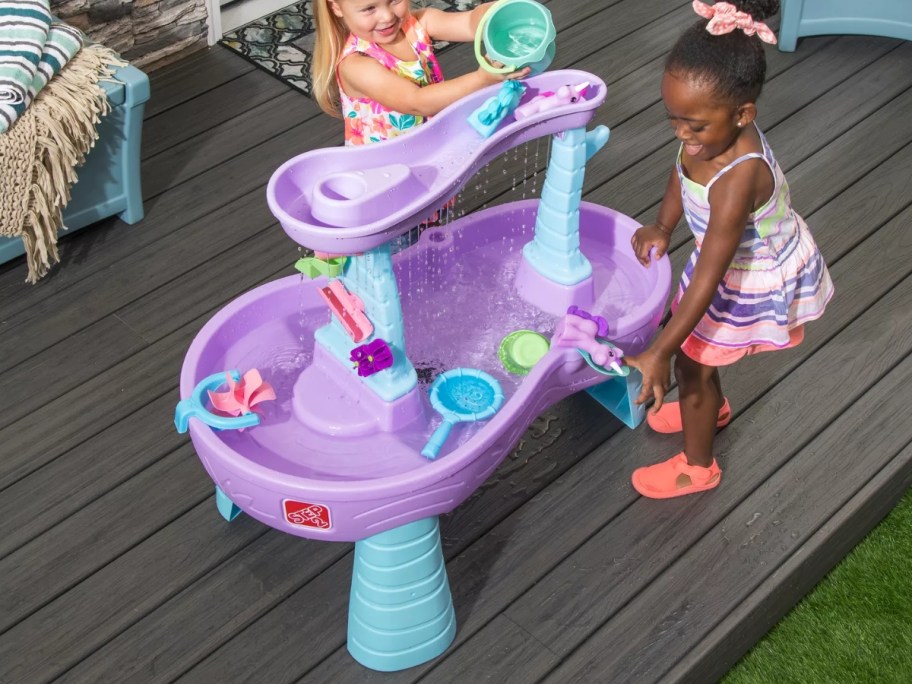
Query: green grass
{"x": 855, "y": 626}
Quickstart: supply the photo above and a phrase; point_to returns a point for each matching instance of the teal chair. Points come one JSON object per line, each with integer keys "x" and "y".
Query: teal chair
{"x": 889, "y": 18}
{"x": 109, "y": 181}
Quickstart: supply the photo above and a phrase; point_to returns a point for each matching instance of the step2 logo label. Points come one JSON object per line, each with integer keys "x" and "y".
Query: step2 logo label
{"x": 303, "y": 514}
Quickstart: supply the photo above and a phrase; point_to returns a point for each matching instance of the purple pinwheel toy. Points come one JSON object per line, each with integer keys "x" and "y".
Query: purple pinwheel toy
{"x": 372, "y": 357}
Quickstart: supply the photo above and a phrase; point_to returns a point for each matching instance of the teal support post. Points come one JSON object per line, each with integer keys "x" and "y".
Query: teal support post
{"x": 618, "y": 396}
{"x": 226, "y": 506}
{"x": 400, "y": 612}
{"x": 370, "y": 277}
{"x": 555, "y": 249}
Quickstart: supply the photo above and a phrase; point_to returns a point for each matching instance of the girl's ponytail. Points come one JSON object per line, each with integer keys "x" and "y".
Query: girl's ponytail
{"x": 725, "y": 48}
{"x": 760, "y": 10}
{"x": 330, "y": 37}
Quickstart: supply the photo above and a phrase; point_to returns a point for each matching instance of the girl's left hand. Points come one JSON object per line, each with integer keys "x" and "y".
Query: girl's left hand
{"x": 493, "y": 77}
{"x": 649, "y": 237}
{"x": 656, "y": 370}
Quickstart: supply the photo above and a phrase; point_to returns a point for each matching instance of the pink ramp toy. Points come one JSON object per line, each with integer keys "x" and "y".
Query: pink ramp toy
{"x": 348, "y": 308}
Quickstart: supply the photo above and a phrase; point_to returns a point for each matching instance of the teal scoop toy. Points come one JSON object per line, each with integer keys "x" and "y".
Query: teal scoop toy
{"x": 461, "y": 395}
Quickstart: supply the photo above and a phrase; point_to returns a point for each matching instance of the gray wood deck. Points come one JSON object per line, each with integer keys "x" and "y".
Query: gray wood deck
{"x": 115, "y": 565}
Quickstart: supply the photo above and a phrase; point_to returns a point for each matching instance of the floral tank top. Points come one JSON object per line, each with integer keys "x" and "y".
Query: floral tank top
{"x": 368, "y": 121}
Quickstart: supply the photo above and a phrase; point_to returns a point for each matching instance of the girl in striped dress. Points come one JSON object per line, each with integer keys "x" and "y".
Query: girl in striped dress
{"x": 755, "y": 276}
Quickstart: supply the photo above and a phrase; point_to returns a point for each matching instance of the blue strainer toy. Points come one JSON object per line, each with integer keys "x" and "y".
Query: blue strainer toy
{"x": 461, "y": 395}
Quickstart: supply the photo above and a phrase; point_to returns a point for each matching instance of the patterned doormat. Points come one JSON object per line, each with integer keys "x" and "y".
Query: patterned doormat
{"x": 282, "y": 42}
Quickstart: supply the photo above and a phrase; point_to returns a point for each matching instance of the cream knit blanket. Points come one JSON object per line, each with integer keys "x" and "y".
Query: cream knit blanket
{"x": 40, "y": 152}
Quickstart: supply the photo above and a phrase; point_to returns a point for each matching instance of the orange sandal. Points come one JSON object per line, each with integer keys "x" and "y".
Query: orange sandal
{"x": 675, "y": 477}
{"x": 667, "y": 419}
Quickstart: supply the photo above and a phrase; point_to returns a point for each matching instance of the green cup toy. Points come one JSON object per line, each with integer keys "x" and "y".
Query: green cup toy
{"x": 516, "y": 33}
{"x": 521, "y": 350}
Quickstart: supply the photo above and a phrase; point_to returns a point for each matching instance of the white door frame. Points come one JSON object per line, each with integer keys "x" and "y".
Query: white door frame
{"x": 227, "y": 15}
{"x": 214, "y": 15}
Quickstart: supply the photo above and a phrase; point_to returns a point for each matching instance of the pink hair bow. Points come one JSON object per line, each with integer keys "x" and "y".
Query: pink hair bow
{"x": 725, "y": 18}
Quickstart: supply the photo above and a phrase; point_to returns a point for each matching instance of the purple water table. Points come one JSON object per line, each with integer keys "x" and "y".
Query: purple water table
{"x": 338, "y": 456}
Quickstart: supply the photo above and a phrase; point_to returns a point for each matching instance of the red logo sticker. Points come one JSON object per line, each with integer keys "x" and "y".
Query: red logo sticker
{"x": 305, "y": 514}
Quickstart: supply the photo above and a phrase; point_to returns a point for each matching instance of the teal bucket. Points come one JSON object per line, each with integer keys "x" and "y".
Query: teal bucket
{"x": 516, "y": 33}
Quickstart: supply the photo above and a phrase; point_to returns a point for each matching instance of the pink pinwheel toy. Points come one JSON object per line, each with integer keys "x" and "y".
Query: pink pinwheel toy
{"x": 242, "y": 396}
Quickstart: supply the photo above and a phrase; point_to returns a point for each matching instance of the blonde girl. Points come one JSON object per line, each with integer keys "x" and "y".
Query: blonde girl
{"x": 374, "y": 64}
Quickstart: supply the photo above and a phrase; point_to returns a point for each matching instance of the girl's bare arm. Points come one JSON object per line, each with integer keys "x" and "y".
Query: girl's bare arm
{"x": 731, "y": 200}
{"x": 651, "y": 241}
{"x": 364, "y": 76}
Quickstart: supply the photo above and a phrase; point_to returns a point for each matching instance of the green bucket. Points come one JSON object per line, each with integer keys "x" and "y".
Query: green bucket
{"x": 517, "y": 33}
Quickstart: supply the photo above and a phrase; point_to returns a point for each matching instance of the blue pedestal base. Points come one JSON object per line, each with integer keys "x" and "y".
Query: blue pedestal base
{"x": 400, "y": 612}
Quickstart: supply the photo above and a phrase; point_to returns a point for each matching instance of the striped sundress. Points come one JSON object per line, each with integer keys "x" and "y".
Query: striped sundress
{"x": 777, "y": 280}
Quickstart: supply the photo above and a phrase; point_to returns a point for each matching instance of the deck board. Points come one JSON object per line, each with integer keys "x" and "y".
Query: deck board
{"x": 183, "y": 81}
{"x": 634, "y": 188}
{"x": 92, "y": 468}
{"x": 272, "y": 119}
{"x": 116, "y": 566}
{"x": 768, "y": 521}
{"x": 752, "y": 618}
{"x": 211, "y": 108}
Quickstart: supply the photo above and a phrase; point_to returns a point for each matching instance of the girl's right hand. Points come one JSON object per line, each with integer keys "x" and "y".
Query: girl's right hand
{"x": 648, "y": 237}
{"x": 655, "y": 368}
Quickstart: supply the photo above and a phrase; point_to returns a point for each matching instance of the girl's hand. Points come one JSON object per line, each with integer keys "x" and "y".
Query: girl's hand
{"x": 517, "y": 74}
{"x": 647, "y": 237}
{"x": 656, "y": 370}
{"x": 491, "y": 79}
